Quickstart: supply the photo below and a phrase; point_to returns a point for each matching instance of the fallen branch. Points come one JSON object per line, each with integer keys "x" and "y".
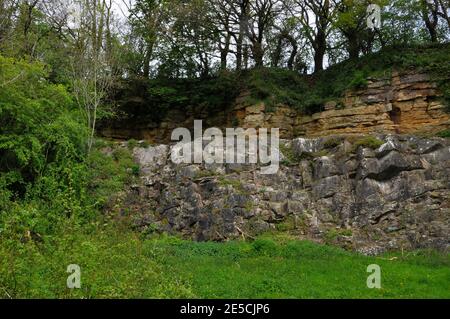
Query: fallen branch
{"x": 243, "y": 234}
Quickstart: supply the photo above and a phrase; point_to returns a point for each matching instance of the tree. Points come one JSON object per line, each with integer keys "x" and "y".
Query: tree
{"x": 444, "y": 6}
{"x": 189, "y": 41}
{"x": 429, "y": 10}
{"x": 351, "y": 21}
{"x": 92, "y": 72}
{"x": 239, "y": 17}
{"x": 286, "y": 42}
{"x": 222, "y": 13}
{"x": 318, "y": 28}
{"x": 148, "y": 19}
{"x": 261, "y": 19}
{"x": 8, "y": 11}
{"x": 38, "y": 125}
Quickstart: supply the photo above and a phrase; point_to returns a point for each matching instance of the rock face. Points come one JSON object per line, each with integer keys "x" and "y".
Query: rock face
{"x": 256, "y": 116}
{"x": 330, "y": 189}
{"x": 404, "y": 103}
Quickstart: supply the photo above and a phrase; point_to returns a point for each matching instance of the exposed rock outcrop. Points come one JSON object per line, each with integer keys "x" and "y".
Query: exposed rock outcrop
{"x": 328, "y": 189}
{"x": 405, "y": 103}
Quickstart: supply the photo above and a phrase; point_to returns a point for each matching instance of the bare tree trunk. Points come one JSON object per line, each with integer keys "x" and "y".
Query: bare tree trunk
{"x": 224, "y": 51}
{"x": 239, "y": 45}
{"x": 319, "y": 51}
{"x": 430, "y": 23}
{"x": 258, "y": 54}
{"x": 276, "y": 57}
{"x": 354, "y": 46}
{"x": 92, "y": 65}
{"x": 147, "y": 59}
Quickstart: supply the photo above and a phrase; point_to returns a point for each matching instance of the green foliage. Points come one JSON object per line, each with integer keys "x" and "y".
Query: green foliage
{"x": 144, "y": 100}
{"x": 288, "y": 225}
{"x": 359, "y": 80}
{"x": 108, "y": 174}
{"x": 46, "y": 177}
{"x": 116, "y": 263}
{"x": 444, "y": 134}
{"x": 205, "y": 173}
{"x": 367, "y": 142}
{"x": 332, "y": 142}
{"x": 264, "y": 246}
{"x": 136, "y": 170}
{"x": 332, "y": 234}
{"x": 307, "y": 93}
{"x": 42, "y": 147}
{"x": 275, "y": 86}
{"x": 132, "y": 144}
{"x": 235, "y": 183}
{"x": 289, "y": 156}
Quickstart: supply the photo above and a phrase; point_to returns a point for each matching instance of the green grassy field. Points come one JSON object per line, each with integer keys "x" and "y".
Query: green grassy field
{"x": 119, "y": 264}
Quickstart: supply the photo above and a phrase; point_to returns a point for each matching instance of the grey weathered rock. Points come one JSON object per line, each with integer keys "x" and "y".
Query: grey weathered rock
{"x": 397, "y": 196}
{"x": 151, "y": 158}
{"x": 305, "y": 145}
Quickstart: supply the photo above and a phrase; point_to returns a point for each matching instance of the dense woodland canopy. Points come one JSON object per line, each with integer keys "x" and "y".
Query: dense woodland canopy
{"x": 198, "y": 38}
{"x": 97, "y": 48}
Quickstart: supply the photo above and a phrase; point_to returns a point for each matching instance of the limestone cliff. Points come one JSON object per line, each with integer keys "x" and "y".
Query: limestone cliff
{"x": 331, "y": 189}
{"x": 334, "y": 185}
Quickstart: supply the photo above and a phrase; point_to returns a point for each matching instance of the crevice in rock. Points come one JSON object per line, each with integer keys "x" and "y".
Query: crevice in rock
{"x": 377, "y": 219}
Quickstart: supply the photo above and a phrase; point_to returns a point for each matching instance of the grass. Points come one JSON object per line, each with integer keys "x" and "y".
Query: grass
{"x": 367, "y": 142}
{"x": 444, "y": 134}
{"x": 118, "y": 263}
{"x": 332, "y": 143}
{"x": 308, "y": 94}
{"x": 298, "y": 269}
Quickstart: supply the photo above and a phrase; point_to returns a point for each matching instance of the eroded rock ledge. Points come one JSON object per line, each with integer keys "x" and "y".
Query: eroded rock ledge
{"x": 401, "y": 103}
{"x": 329, "y": 189}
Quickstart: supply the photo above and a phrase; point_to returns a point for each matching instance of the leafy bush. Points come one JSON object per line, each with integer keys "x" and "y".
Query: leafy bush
{"x": 264, "y": 246}
{"x": 309, "y": 93}
{"x": 108, "y": 174}
{"x": 39, "y": 126}
{"x": 46, "y": 175}
{"x": 359, "y": 80}
{"x": 132, "y": 144}
{"x": 42, "y": 151}
{"x": 332, "y": 143}
{"x": 143, "y": 100}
